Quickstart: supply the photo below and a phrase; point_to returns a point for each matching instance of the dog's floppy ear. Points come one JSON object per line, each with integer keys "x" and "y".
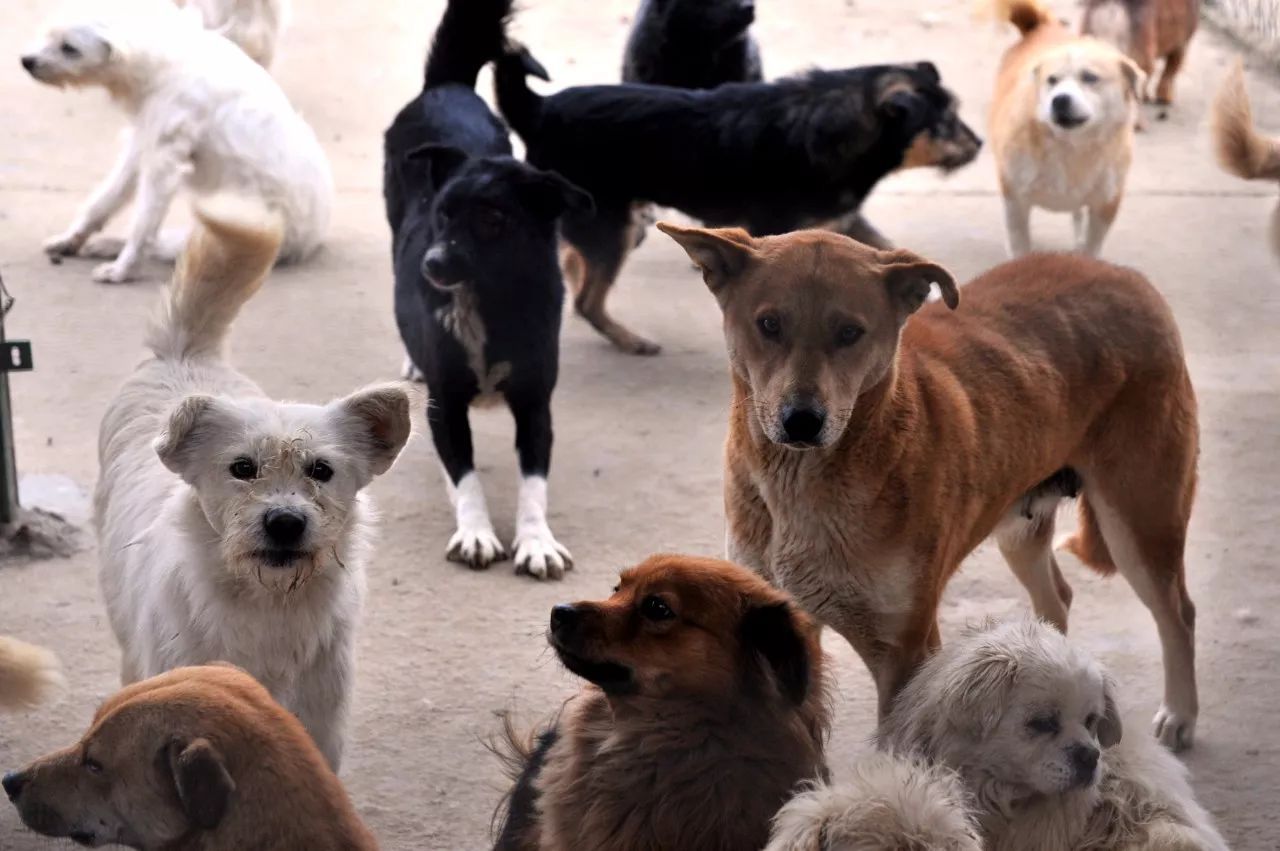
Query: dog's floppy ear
{"x": 201, "y": 780}
{"x": 1110, "y": 729}
{"x": 929, "y": 71}
{"x": 443, "y": 161}
{"x": 908, "y": 276}
{"x": 1134, "y": 76}
{"x": 377, "y": 421}
{"x": 721, "y": 253}
{"x": 554, "y": 195}
{"x": 976, "y": 691}
{"x": 195, "y": 418}
{"x": 771, "y": 631}
{"x": 898, "y": 100}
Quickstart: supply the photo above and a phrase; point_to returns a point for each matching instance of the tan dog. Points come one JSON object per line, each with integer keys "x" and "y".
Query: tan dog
{"x": 1061, "y": 126}
{"x": 1242, "y": 150}
{"x": 28, "y": 674}
{"x": 1146, "y": 30}
{"x": 865, "y": 460}
{"x": 196, "y": 758}
{"x": 707, "y": 706}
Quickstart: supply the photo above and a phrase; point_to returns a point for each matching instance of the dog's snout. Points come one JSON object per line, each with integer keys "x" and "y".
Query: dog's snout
{"x": 803, "y": 423}
{"x": 1061, "y": 104}
{"x": 1084, "y": 760}
{"x": 433, "y": 263}
{"x": 564, "y": 618}
{"x": 29, "y": 63}
{"x": 284, "y": 526}
{"x": 13, "y": 783}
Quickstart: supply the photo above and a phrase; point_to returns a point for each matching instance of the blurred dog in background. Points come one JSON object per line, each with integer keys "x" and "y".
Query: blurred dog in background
{"x": 1242, "y": 150}
{"x": 692, "y": 44}
{"x": 255, "y": 25}
{"x": 28, "y": 674}
{"x": 1146, "y": 30}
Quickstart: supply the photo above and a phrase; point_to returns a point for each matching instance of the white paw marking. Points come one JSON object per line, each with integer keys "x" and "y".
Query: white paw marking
{"x": 103, "y": 248}
{"x": 477, "y": 547}
{"x": 112, "y": 273}
{"x": 540, "y": 555}
{"x": 409, "y": 371}
{"x": 1174, "y": 732}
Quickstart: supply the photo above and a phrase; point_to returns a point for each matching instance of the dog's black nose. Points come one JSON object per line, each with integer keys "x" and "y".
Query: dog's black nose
{"x": 29, "y": 62}
{"x": 284, "y": 526}
{"x": 1084, "y": 759}
{"x": 1061, "y": 104}
{"x": 433, "y": 267}
{"x": 563, "y": 618}
{"x": 13, "y": 783}
{"x": 803, "y": 424}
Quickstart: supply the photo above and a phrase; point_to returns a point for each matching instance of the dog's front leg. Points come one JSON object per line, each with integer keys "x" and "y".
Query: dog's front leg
{"x": 474, "y": 543}
{"x": 1097, "y": 224}
{"x": 324, "y": 695}
{"x": 112, "y": 194}
{"x": 748, "y": 525}
{"x": 537, "y": 552}
{"x": 1017, "y": 223}
{"x": 158, "y": 180}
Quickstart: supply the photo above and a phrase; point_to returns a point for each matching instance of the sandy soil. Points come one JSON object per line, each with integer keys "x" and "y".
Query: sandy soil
{"x": 638, "y": 441}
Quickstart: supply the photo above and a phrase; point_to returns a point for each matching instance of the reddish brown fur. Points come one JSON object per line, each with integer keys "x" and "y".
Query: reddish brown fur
{"x": 284, "y": 796}
{"x": 1050, "y": 361}
{"x": 1157, "y": 29}
{"x": 711, "y": 736}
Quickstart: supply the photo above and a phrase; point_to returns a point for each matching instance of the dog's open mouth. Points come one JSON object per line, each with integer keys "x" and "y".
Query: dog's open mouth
{"x": 1068, "y": 122}
{"x": 610, "y": 676}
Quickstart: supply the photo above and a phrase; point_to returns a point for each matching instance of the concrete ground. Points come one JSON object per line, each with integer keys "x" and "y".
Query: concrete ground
{"x": 637, "y": 467}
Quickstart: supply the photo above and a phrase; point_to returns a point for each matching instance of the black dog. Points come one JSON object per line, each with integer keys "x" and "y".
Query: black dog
{"x": 692, "y": 44}
{"x": 772, "y": 157}
{"x": 478, "y": 287}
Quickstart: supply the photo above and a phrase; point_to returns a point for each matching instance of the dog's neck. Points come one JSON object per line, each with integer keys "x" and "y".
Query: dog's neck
{"x": 1006, "y": 811}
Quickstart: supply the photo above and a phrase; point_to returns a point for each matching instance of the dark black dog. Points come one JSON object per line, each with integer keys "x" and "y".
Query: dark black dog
{"x": 692, "y": 44}
{"x": 772, "y": 157}
{"x": 478, "y": 287}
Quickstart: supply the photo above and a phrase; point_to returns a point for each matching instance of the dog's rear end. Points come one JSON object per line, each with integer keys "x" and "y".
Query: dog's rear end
{"x": 28, "y": 674}
{"x": 1242, "y": 150}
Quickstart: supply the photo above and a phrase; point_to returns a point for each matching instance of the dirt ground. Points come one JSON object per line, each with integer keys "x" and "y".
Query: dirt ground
{"x": 637, "y": 466}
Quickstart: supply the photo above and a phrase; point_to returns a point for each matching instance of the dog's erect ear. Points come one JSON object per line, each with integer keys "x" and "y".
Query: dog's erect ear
{"x": 929, "y": 71}
{"x": 1134, "y": 77}
{"x": 377, "y": 419}
{"x": 195, "y": 418}
{"x": 721, "y": 253}
{"x": 201, "y": 779}
{"x": 1110, "y": 729}
{"x": 531, "y": 66}
{"x": 555, "y": 195}
{"x": 908, "y": 276}
{"x": 443, "y": 161}
{"x": 771, "y": 630}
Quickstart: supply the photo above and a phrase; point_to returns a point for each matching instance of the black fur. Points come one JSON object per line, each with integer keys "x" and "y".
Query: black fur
{"x": 473, "y": 228}
{"x": 521, "y": 813}
{"x": 692, "y": 44}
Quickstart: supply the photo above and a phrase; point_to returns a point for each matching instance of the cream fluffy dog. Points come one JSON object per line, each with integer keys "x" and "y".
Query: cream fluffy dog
{"x": 230, "y": 526}
{"x": 28, "y": 674}
{"x": 254, "y": 25}
{"x": 1061, "y": 126}
{"x": 205, "y": 116}
{"x": 889, "y": 803}
{"x": 1031, "y": 724}
{"x": 1242, "y": 150}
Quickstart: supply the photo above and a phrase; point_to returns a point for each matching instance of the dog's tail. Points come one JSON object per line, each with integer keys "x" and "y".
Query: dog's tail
{"x": 226, "y": 259}
{"x": 1026, "y": 15}
{"x": 28, "y": 674}
{"x": 1242, "y": 150}
{"x": 520, "y": 105}
{"x": 471, "y": 34}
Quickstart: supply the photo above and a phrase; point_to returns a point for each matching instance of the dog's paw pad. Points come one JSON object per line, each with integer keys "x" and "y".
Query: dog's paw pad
{"x": 476, "y": 548}
{"x": 63, "y": 245}
{"x": 541, "y": 556}
{"x": 1174, "y": 731}
{"x": 111, "y": 273}
{"x": 103, "y": 248}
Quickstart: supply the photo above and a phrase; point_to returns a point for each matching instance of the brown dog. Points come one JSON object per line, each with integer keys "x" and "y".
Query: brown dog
{"x": 196, "y": 758}
{"x": 866, "y": 459}
{"x": 1242, "y": 150}
{"x": 1146, "y": 30}
{"x": 707, "y": 706}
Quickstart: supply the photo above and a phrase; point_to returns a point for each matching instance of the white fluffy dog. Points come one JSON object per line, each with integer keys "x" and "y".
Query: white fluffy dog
{"x": 205, "y": 116}
{"x": 1031, "y": 724}
{"x": 255, "y": 25}
{"x": 889, "y": 803}
{"x": 230, "y": 526}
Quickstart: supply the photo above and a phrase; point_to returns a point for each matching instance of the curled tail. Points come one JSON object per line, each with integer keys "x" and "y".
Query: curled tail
{"x": 520, "y": 105}
{"x": 27, "y": 674}
{"x": 1026, "y": 15}
{"x": 232, "y": 248}
{"x": 471, "y": 34}
{"x": 1242, "y": 150}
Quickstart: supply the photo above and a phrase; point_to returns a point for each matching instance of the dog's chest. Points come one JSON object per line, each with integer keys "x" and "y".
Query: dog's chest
{"x": 461, "y": 319}
{"x": 1065, "y": 180}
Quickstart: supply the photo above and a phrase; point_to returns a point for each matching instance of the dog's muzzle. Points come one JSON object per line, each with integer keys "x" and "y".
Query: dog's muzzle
{"x": 1084, "y": 764}
{"x": 13, "y": 783}
{"x": 802, "y": 424}
{"x": 1062, "y": 109}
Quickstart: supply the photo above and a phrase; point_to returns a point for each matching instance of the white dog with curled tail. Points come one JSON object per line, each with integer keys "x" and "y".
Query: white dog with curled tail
{"x": 255, "y": 25}
{"x": 230, "y": 526}
{"x": 205, "y": 118}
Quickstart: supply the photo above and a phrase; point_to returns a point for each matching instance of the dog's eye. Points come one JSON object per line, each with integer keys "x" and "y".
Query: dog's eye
{"x": 244, "y": 469}
{"x": 69, "y": 50}
{"x": 655, "y": 609}
{"x": 320, "y": 471}
{"x": 92, "y": 766}
{"x": 848, "y": 335}
{"x": 1046, "y": 724}
{"x": 1052, "y": 80}
{"x": 1088, "y": 78}
{"x": 770, "y": 326}
{"x": 1091, "y": 723}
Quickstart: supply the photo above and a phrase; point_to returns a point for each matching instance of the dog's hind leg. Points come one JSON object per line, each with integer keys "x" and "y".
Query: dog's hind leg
{"x": 1027, "y": 545}
{"x": 604, "y": 240}
{"x": 474, "y": 543}
{"x": 1172, "y": 63}
{"x": 537, "y": 552}
{"x": 157, "y": 183}
{"x": 112, "y": 194}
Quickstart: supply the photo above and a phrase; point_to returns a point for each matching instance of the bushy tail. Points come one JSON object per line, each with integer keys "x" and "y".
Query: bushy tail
{"x": 471, "y": 34}
{"x": 520, "y": 105}
{"x": 1242, "y": 150}
{"x": 1026, "y": 15}
{"x": 228, "y": 256}
{"x": 28, "y": 674}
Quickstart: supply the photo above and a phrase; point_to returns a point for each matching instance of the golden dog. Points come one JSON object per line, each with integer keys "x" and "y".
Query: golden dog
{"x": 868, "y": 455}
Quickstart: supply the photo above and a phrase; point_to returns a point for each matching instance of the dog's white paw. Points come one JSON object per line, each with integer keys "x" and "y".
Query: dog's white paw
{"x": 1174, "y": 731}
{"x": 63, "y": 245}
{"x": 112, "y": 273}
{"x": 409, "y": 371}
{"x": 103, "y": 248}
{"x": 540, "y": 555}
{"x": 476, "y": 547}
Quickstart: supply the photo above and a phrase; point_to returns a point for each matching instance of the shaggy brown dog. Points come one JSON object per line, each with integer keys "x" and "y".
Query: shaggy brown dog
{"x": 1242, "y": 150}
{"x": 1146, "y": 30}
{"x": 866, "y": 460}
{"x": 707, "y": 707}
{"x": 196, "y": 759}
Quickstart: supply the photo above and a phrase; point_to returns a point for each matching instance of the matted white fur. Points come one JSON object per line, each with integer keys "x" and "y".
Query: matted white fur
{"x": 28, "y": 674}
{"x": 1011, "y": 707}
{"x": 254, "y": 25}
{"x": 205, "y": 118}
{"x": 196, "y": 463}
{"x": 887, "y": 804}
